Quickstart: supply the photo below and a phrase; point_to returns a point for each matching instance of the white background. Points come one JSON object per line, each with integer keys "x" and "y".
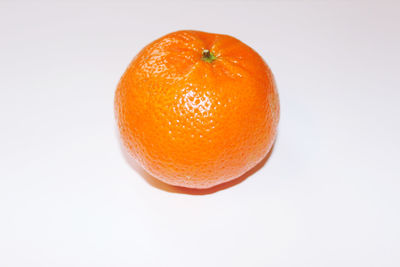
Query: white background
{"x": 329, "y": 194}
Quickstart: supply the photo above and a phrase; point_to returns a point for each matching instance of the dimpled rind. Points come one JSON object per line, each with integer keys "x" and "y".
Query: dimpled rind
{"x": 194, "y": 123}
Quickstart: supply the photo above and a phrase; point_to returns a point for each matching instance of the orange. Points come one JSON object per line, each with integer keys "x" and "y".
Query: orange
{"x": 197, "y": 109}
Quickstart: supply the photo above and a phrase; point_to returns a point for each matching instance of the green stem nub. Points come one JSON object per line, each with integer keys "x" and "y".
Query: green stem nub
{"x": 208, "y": 56}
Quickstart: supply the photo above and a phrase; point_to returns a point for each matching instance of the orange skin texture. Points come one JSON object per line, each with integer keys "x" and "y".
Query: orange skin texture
{"x": 194, "y": 123}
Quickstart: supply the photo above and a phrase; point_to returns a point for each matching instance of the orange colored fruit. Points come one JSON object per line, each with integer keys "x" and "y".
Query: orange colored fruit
{"x": 197, "y": 109}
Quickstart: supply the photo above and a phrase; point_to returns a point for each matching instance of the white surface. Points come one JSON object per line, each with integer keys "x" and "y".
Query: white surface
{"x": 328, "y": 196}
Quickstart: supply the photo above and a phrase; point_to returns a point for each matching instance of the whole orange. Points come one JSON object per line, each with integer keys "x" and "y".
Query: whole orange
{"x": 197, "y": 109}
